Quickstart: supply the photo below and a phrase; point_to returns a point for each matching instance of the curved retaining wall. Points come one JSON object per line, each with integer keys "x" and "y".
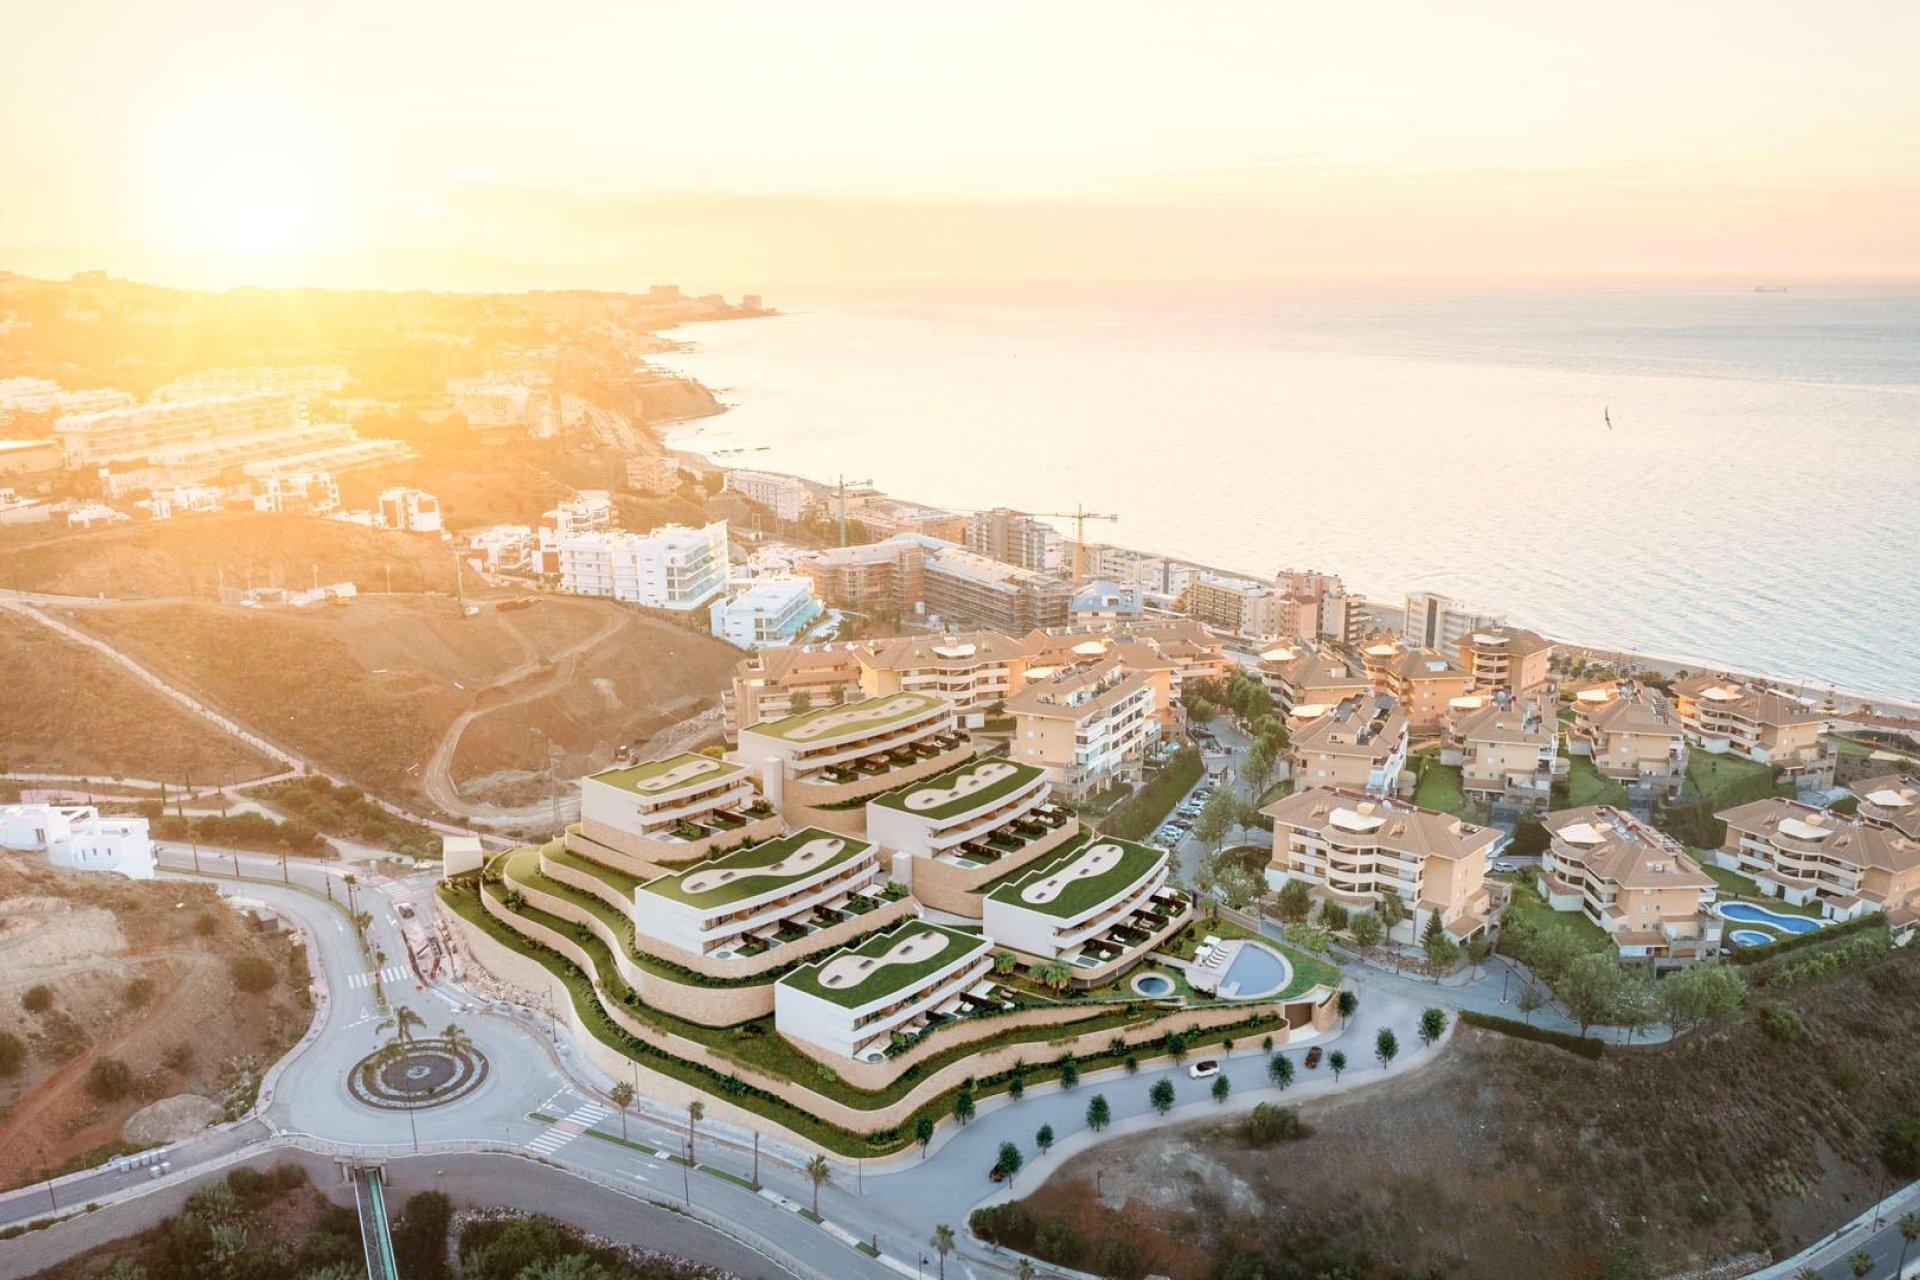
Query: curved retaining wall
{"x": 664, "y": 854}
{"x": 956, "y": 890}
{"x": 804, "y": 803}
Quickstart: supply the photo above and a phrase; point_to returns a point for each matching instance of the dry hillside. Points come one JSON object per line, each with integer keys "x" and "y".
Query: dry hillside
{"x": 140, "y": 973}
{"x": 65, "y": 709}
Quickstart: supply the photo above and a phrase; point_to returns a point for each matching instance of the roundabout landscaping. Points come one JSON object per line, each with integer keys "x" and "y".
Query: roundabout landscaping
{"x": 431, "y": 1073}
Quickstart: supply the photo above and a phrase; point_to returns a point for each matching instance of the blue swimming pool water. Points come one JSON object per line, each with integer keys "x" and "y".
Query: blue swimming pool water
{"x": 1751, "y": 914}
{"x": 1153, "y": 984}
{"x": 1749, "y": 938}
{"x": 1258, "y": 970}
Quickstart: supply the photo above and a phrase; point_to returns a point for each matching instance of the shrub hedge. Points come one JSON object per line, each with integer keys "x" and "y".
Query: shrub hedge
{"x": 1581, "y": 1045}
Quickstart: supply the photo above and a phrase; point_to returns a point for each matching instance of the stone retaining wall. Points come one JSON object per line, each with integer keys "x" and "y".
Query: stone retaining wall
{"x": 956, "y": 890}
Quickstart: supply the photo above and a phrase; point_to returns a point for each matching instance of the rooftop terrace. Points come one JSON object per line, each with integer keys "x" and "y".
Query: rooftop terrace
{"x": 732, "y": 877}
{"x": 969, "y": 788}
{"x": 663, "y": 777}
{"x": 885, "y": 964}
{"x": 1079, "y": 880}
{"x": 831, "y": 724}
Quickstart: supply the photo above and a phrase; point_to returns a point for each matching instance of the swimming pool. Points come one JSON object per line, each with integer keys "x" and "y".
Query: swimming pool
{"x": 1748, "y": 913}
{"x": 1255, "y": 971}
{"x": 1749, "y": 938}
{"x": 1153, "y": 984}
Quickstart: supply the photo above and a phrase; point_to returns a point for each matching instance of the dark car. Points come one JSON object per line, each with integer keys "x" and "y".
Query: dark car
{"x": 1313, "y": 1056}
{"x": 997, "y": 1174}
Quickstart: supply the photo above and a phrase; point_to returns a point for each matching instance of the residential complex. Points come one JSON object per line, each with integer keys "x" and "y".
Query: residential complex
{"x": 885, "y": 518}
{"x": 870, "y": 578}
{"x": 1103, "y": 901}
{"x": 1638, "y": 884}
{"x": 303, "y": 384}
{"x": 814, "y": 767}
{"x": 1425, "y": 681}
{"x": 1249, "y": 607}
{"x": 1510, "y": 658}
{"x": 1088, "y": 726}
{"x": 673, "y": 810}
{"x": 1303, "y": 675}
{"x": 957, "y": 830}
{"x": 135, "y": 432}
{"x": 753, "y": 899}
{"x": 659, "y": 476}
{"x": 77, "y": 838}
{"x": 1358, "y": 744}
{"x": 1353, "y": 848}
{"x": 1891, "y": 801}
{"x": 974, "y": 670}
{"x": 410, "y": 510}
{"x": 1723, "y": 715}
{"x": 787, "y": 497}
{"x": 1016, "y": 538}
{"x": 862, "y": 1001}
{"x": 673, "y": 567}
{"x": 1506, "y": 748}
{"x": 1434, "y": 621}
{"x": 1811, "y": 856}
{"x": 779, "y": 682}
{"x": 764, "y": 611}
{"x": 1631, "y": 735}
{"x": 966, "y": 588}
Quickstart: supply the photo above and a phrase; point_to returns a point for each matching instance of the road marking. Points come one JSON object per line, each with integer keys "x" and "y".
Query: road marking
{"x": 561, "y": 1132}
{"x": 392, "y": 973}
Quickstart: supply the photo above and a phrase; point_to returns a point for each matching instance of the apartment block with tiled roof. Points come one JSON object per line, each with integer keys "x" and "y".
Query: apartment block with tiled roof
{"x": 1812, "y": 856}
{"x": 1353, "y": 847}
{"x": 1635, "y": 882}
{"x": 1725, "y": 715}
{"x": 1425, "y": 681}
{"x": 1510, "y": 658}
{"x": 1167, "y": 651}
{"x": 1300, "y": 675}
{"x": 1359, "y": 744}
{"x": 971, "y": 669}
{"x": 783, "y": 681}
{"x": 1631, "y": 734}
{"x": 1506, "y": 748}
{"x": 1890, "y": 800}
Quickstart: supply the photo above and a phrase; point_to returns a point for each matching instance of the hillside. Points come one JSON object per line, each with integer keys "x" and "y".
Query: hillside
{"x": 189, "y": 555}
{"x": 371, "y": 691}
{"x": 1512, "y": 1159}
{"x": 65, "y": 709}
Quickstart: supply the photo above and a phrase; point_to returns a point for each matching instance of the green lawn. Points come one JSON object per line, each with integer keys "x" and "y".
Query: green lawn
{"x": 1529, "y": 906}
{"x": 1732, "y": 884}
{"x": 1071, "y": 897}
{"x": 1726, "y": 780}
{"x": 1439, "y": 788}
{"x": 984, "y": 797}
{"x": 752, "y": 869}
{"x": 1587, "y": 785}
{"x": 885, "y": 978}
{"x": 619, "y": 881}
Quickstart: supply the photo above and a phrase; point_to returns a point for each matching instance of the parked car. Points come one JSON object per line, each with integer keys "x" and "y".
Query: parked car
{"x": 1204, "y": 1068}
{"x": 1313, "y": 1056}
{"x": 406, "y": 911}
{"x": 997, "y": 1174}
{"x": 1503, "y": 866}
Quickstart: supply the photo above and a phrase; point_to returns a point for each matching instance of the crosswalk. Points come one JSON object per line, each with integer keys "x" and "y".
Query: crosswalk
{"x": 566, "y": 1129}
{"x": 392, "y": 973}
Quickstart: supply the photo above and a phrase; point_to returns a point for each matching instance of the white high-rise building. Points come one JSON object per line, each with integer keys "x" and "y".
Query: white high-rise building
{"x": 788, "y": 497}
{"x": 412, "y": 510}
{"x": 673, "y": 567}
{"x": 1440, "y": 622}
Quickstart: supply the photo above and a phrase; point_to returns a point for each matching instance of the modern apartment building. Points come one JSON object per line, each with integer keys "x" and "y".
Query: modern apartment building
{"x": 673, "y": 567}
{"x": 1510, "y": 658}
{"x": 815, "y": 767}
{"x": 659, "y": 476}
{"x": 1345, "y": 618}
{"x": 859, "y": 1002}
{"x": 968, "y": 589}
{"x": 1163, "y": 578}
{"x": 1015, "y": 537}
{"x": 787, "y": 497}
{"x": 1814, "y": 857}
{"x": 502, "y": 548}
{"x": 1635, "y": 882}
{"x": 971, "y": 669}
{"x": 1099, "y": 902}
{"x": 755, "y": 898}
{"x": 78, "y": 838}
{"x": 776, "y": 683}
{"x": 1357, "y": 744}
{"x": 1631, "y": 734}
{"x": 1166, "y": 651}
{"x": 884, "y": 517}
{"x": 1088, "y": 726}
{"x": 674, "y": 810}
{"x": 45, "y": 396}
{"x": 1434, "y": 621}
{"x": 1353, "y": 848}
{"x": 764, "y": 611}
{"x": 587, "y": 511}
{"x": 1424, "y": 681}
{"x": 1305, "y": 675}
{"x": 1723, "y": 715}
{"x": 136, "y": 432}
{"x": 1891, "y": 801}
{"x": 870, "y": 578}
{"x": 954, "y": 832}
{"x": 410, "y": 510}
{"x": 1506, "y": 748}
{"x": 1243, "y": 606}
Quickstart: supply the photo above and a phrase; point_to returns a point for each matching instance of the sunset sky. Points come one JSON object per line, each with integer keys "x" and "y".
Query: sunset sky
{"x": 486, "y": 143}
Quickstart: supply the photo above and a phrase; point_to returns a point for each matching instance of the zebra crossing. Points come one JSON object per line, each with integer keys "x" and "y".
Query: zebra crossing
{"x": 392, "y": 973}
{"x": 565, "y": 1130}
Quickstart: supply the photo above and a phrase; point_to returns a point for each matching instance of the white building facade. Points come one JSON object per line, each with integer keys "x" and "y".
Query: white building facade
{"x": 765, "y": 612}
{"x": 674, "y": 567}
{"x": 77, "y": 838}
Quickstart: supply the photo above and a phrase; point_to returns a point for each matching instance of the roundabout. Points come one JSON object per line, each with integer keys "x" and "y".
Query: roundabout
{"x": 430, "y": 1073}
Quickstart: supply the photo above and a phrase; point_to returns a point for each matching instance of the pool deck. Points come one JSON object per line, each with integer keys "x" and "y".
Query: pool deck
{"x": 1202, "y": 976}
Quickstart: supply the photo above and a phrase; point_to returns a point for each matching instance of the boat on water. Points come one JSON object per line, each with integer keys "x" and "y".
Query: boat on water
{"x": 1769, "y": 288}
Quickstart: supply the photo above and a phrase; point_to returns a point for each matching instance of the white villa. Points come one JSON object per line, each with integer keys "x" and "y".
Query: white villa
{"x": 1090, "y": 906}
{"x": 77, "y": 838}
{"x": 823, "y": 759}
{"x": 674, "y": 809}
{"x": 854, "y": 1002}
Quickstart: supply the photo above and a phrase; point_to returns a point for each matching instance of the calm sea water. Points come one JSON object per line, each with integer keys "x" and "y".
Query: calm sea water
{"x": 1757, "y": 502}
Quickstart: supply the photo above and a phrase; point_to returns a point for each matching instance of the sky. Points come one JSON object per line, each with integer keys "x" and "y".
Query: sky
{"x": 752, "y": 145}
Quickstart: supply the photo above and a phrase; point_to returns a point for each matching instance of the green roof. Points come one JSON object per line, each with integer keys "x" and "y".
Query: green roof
{"x": 827, "y": 723}
{"x": 1081, "y": 892}
{"x": 745, "y": 872}
{"x": 651, "y": 777}
{"x": 882, "y": 980}
{"x": 1016, "y": 777}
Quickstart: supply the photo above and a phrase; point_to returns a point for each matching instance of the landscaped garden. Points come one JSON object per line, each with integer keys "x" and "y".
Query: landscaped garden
{"x": 1587, "y": 785}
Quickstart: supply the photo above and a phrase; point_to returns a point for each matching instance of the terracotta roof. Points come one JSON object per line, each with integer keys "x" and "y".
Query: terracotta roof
{"x": 1838, "y": 837}
{"x": 1613, "y": 845}
{"x": 1356, "y": 817}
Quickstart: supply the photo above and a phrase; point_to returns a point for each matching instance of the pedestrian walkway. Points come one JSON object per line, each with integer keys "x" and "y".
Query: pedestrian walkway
{"x": 392, "y": 973}
{"x": 561, "y": 1132}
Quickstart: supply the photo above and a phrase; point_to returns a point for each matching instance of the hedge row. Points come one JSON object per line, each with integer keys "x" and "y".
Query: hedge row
{"x": 1142, "y": 813}
{"x": 1795, "y": 942}
{"x": 1581, "y": 1045}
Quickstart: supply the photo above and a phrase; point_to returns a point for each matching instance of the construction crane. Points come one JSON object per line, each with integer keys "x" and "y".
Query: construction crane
{"x": 1079, "y": 515}
{"x": 840, "y": 491}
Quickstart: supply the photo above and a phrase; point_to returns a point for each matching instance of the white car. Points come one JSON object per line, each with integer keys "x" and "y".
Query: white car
{"x": 1204, "y": 1068}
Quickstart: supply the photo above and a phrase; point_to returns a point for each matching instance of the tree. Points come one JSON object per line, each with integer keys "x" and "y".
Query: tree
{"x": 1390, "y": 910}
{"x": 1529, "y": 1000}
{"x": 1550, "y": 953}
{"x": 1266, "y": 1045}
{"x": 1433, "y": 1025}
{"x": 1025, "y": 1270}
{"x": 1477, "y": 952}
{"x": 923, "y": 1133}
{"x": 1216, "y": 819}
{"x": 621, "y": 1096}
{"x": 1442, "y": 951}
{"x": 1294, "y": 901}
{"x": 942, "y": 1242}
{"x": 1637, "y": 1004}
{"x": 1338, "y": 1061}
{"x": 1009, "y": 1161}
{"x": 1259, "y": 766}
{"x": 1704, "y": 993}
{"x": 819, "y": 1173}
{"x": 1176, "y": 1045}
{"x": 1909, "y": 1232}
{"x": 109, "y": 1079}
{"x": 1386, "y": 1046}
{"x": 1005, "y": 962}
{"x": 1365, "y": 930}
{"x": 1099, "y": 1114}
{"x": 1017, "y": 1085}
{"x": 1309, "y": 936}
{"x": 1591, "y": 988}
{"x": 963, "y": 1105}
{"x": 1161, "y": 1096}
{"x": 1069, "y": 1072}
{"x": 1056, "y": 975}
{"x": 38, "y": 999}
{"x": 1860, "y": 1262}
{"x": 800, "y": 703}
{"x": 1043, "y": 1138}
{"x": 13, "y": 1053}
{"x": 1346, "y": 1003}
{"x": 455, "y": 1037}
{"x": 1280, "y": 1070}
{"x": 1199, "y": 710}
{"x": 1221, "y": 1088}
{"x": 404, "y": 1022}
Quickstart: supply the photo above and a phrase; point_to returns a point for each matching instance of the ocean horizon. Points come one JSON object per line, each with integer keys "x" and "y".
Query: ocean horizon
{"x": 1754, "y": 505}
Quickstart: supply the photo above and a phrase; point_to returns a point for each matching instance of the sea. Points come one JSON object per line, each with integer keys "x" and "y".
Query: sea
{"x": 1723, "y": 475}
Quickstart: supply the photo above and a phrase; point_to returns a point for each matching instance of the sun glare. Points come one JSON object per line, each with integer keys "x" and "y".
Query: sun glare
{"x": 243, "y": 175}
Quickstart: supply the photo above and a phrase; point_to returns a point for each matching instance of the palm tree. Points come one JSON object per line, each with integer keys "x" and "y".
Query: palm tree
{"x": 942, "y": 1243}
{"x": 819, "y": 1173}
{"x": 621, "y": 1096}
{"x": 1025, "y": 1271}
{"x": 1338, "y": 1061}
{"x": 696, "y": 1111}
{"x": 455, "y": 1038}
{"x": 1055, "y": 975}
{"x": 1909, "y": 1232}
{"x": 1860, "y": 1262}
{"x": 404, "y": 1022}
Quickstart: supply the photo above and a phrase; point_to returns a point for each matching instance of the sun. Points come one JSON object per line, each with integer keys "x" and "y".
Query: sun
{"x": 243, "y": 174}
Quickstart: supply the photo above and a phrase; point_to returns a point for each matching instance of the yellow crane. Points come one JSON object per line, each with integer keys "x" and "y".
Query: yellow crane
{"x": 1079, "y": 515}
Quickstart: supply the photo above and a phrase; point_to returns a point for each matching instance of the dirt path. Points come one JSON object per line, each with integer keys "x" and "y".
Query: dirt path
{"x": 437, "y": 779}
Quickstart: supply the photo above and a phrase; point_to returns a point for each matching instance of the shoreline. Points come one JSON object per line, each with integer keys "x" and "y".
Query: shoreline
{"x": 1661, "y": 663}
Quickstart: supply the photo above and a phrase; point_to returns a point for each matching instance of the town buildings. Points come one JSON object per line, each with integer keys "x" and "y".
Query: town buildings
{"x": 1357, "y": 744}
{"x": 1102, "y": 901}
{"x": 1243, "y": 606}
{"x": 1308, "y": 675}
{"x": 858, "y": 1002}
{"x": 303, "y": 384}
{"x": 1811, "y": 856}
{"x": 409, "y": 510}
{"x": 816, "y": 766}
{"x": 1891, "y": 801}
{"x": 1016, "y": 538}
{"x": 1353, "y": 848}
{"x": 1506, "y": 748}
{"x": 974, "y": 670}
{"x": 136, "y": 432}
{"x": 1631, "y": 734}
{"x": 1510, "y": 658}
{"x": 77, "y": 838}
{"x": 764, "y": 611}
{"x": 884, "y": 517}
{"x": 788, "y": 497}
{"x": 1434, "y": 621}
{"x": 964, "y": 588}
{"x": 1723, "y": 715}
{"x": 1104, "y": 600}
{"x": 1088, "y": 726}
{"x": 659, "y": 476}
{"x": 502, "y": 548}
{"x": 1424, "y": 681}
{"x": 673, "y": 567}
{"x": 1638, "y": 884}
{"x": 875, "y": 578}
{"x": 776, "y": 683}
{"x": 1164, "y": 578}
